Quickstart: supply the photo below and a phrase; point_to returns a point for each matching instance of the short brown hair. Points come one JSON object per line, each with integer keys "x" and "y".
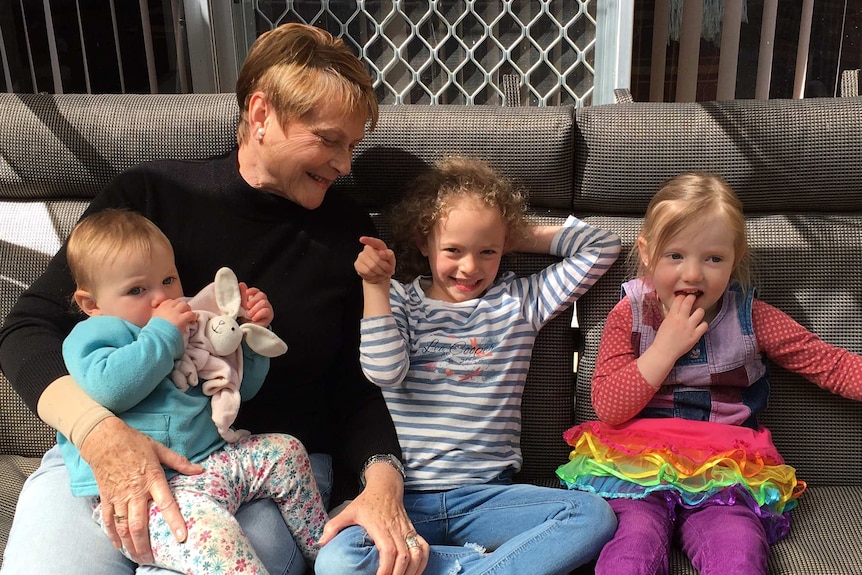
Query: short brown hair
{"x": 103, "y": 236}
{"x": 431, "y": 197}
{"x": 299, "y": 66}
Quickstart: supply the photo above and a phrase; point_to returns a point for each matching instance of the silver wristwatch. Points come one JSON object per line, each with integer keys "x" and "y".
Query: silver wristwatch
{"x": 386, "y": 458}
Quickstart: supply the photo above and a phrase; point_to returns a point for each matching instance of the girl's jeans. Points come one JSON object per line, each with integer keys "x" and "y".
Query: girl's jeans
{"x": 53, "y": 531}
{"x": 719, "y": 539}
{"x": 497, "y": 529}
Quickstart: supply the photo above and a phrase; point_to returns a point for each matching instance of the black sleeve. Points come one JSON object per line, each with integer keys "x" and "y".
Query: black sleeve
{"x": 366, "y": 427}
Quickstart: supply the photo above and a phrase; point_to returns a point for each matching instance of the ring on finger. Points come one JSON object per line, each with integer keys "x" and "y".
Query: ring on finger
{"x": 412, "y": 542}
{"x": 118, "y": 518}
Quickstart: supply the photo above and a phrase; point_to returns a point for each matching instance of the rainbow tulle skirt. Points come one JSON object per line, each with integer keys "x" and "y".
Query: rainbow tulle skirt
{"x": 689, "y": 463}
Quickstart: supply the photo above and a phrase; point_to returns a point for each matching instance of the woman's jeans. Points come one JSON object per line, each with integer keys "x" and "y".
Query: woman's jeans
{"x": 53, "y": 531}
{"x": 497, "y": 529}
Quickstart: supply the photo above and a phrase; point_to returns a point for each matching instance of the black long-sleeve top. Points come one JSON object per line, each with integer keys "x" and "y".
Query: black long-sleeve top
{"x": 302, "y": 259}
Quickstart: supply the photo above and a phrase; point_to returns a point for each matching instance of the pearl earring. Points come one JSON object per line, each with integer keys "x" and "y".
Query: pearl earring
{"x": 260, "y": 132}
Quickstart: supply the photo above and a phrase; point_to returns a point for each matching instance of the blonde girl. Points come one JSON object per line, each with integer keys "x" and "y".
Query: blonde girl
{"x": 680, "y": 379}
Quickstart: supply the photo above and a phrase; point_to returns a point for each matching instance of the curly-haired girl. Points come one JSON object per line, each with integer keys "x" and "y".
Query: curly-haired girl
{"x": 451, "y": 350}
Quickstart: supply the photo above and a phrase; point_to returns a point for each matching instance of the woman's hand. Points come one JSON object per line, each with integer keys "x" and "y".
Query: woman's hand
{"x": 128, "y": 469}
{"x": 379, "y": 509}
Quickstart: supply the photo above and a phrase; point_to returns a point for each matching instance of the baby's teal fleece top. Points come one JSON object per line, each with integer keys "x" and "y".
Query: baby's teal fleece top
{"x": 125, "y": 368}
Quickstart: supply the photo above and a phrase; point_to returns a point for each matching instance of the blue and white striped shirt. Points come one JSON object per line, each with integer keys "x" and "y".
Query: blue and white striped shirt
{"x": 453, "y": 374}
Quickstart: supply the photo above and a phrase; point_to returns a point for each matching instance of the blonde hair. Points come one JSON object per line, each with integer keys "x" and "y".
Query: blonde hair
{"x": 102, "y": 237}
{"x": 687, "y": 200}
{"x": 433, "y": 195}
{"x": 298, "y": 67}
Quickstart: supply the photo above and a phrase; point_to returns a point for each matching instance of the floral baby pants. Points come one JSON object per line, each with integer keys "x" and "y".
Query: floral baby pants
{"x": 274, "y": 466}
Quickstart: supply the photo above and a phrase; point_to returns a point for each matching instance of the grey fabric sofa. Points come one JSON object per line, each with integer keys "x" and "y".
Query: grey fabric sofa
{"x": 795, "y": 164}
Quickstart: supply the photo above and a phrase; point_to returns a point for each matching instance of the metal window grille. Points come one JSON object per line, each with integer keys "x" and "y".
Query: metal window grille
{"x": 459, "y": 51}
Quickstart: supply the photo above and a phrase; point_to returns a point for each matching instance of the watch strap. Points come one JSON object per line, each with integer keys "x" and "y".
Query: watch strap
{"x": 386, "y": 458}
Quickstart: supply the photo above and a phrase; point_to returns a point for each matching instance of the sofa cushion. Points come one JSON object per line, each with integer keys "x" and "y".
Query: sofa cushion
{"x": 805, "y": 153}
{"x": 14, "y": 470}
{"x": 809, "y": 267}
{"x": 30, "y": 233}
{"x": 531, "y": 146}
{"x": 83, "y": 141}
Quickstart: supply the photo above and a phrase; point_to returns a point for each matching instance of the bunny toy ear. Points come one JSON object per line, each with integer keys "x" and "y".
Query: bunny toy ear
{"x": 262, "y": 341}
{"x": 227, "y": 292}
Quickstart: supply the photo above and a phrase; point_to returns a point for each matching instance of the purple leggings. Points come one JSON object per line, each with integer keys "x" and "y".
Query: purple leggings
{"x": 719, "y": 539}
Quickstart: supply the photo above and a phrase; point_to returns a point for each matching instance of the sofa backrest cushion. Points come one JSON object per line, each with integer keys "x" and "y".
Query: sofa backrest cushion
{"x": 796, "y": 167}
{"x": 72, "y": 145}
{"x": 531, "y": 146}
{"x": 65, "y": 148}
{"x": 56, "y": 153}
{"x": 805, "y": 152}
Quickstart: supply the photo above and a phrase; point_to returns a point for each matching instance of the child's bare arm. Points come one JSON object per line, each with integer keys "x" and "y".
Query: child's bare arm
{"x": 375, "y": 264}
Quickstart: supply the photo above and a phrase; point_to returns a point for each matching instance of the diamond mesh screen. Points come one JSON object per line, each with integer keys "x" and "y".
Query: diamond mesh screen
{"x": 457, "y": 51}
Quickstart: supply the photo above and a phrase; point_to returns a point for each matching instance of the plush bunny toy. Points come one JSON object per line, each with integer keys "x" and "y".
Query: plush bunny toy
{"x": 213, "y": 350}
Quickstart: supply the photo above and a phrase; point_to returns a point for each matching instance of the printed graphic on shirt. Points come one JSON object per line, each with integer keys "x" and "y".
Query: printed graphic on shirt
{"x": 463, "y": 359}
